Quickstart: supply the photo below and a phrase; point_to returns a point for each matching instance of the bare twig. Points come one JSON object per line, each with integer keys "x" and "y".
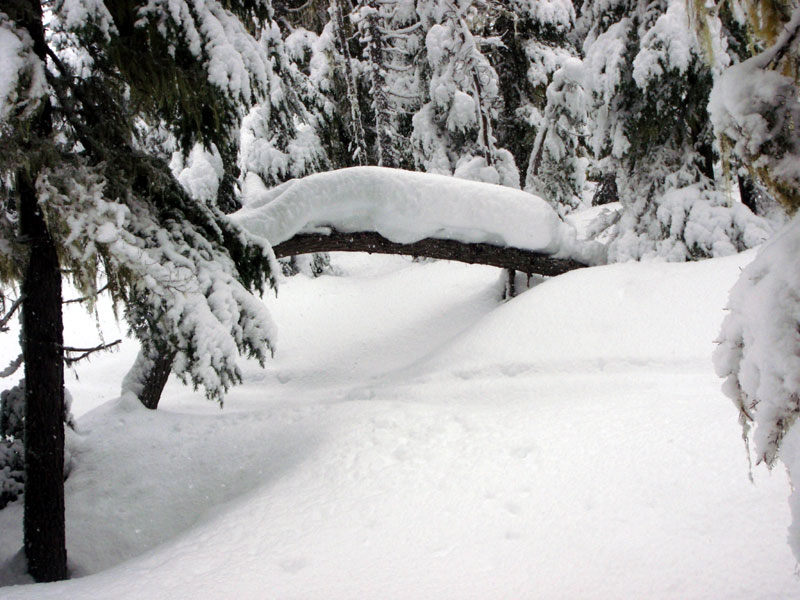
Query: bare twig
{"x": 89, "y": 297}
{"x": 86, "y": 352}
{"x": 4, "y": 321}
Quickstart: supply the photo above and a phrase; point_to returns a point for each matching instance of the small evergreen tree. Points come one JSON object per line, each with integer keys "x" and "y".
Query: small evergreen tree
{"x": 557, "y": 171}
{"x": 535, "y": 44}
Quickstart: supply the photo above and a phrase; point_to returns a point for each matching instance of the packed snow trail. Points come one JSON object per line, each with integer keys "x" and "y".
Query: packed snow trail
{"x": 414, "y": 439}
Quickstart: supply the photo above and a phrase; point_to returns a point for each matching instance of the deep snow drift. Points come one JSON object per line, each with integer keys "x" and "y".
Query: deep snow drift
{"x": 416, "y": 438}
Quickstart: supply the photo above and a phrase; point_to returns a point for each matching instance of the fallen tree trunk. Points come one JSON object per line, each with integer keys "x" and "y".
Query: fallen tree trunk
{"x": 524, "y": 261}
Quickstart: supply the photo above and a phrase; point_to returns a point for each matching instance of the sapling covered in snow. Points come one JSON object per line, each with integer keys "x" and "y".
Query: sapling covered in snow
{"x": 533, "y": 42}
{"x": 557, "y": 171}
{"x": 279, "y": 136}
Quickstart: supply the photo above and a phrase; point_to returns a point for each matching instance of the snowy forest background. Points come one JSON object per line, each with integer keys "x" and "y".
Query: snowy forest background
{"x": 131, "y": 130}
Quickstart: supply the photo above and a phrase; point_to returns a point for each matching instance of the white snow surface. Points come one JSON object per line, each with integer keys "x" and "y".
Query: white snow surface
{"x": 416, "y": 438}
{"x": 405, "y": 207}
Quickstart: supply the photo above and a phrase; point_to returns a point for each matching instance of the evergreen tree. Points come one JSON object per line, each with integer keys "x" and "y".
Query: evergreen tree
{"x": 372, "y": 25}
{"x": 358, "y": 140}
{"x": 650, "y": 80}
{"x": 94, "y": 198}
{"x": 535, "y": 44}
{"x": 557, "y": 171}
{"x": 454, "y": 129}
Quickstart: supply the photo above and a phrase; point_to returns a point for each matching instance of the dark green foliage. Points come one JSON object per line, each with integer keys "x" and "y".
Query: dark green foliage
{"x": 12, "y": 451}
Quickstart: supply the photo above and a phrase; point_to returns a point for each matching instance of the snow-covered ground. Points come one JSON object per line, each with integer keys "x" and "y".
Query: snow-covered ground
{"x": 414, "y": 438}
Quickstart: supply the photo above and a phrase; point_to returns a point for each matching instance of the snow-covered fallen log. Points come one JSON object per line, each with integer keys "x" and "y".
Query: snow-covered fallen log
{"x": 525, "y": 261}
{"x": 412, "y": 213}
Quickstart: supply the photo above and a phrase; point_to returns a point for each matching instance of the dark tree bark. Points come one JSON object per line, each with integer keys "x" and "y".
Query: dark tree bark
{"x": 483, "y": 254}
{"x": 747, "y": 193}
{"x": 42, "y": 348}
{"x": 156, "y": 379}
{"x": 606, "y": 191}
{"x": 707, "y": 166}
{"x": 511, "y": 284}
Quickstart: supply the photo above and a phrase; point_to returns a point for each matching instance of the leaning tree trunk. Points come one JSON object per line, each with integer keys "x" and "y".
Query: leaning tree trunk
{"x": 43, "y": 350}
{"x": 156, "y": 378}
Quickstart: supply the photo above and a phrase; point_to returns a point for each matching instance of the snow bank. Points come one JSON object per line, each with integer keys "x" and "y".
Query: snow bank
{"x": 620, "y": 316}
{"x": 406, "y": 207}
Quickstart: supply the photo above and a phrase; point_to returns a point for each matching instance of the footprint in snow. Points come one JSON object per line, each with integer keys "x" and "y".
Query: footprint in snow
{"x": 293, "y": 565}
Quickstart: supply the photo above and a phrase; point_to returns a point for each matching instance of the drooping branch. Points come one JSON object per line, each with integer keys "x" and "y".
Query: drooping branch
{"x": 525, "y": 261}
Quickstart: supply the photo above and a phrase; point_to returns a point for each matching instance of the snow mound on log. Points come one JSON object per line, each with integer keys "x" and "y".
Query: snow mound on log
{"x": 405, "y": 207}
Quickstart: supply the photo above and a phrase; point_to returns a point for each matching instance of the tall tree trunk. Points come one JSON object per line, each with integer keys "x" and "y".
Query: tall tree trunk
{"x": 43, "y": 352}
{"x": 380, "y": 99}
{"x": 42, "y": 349}
{"x": 357, "y": 123}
